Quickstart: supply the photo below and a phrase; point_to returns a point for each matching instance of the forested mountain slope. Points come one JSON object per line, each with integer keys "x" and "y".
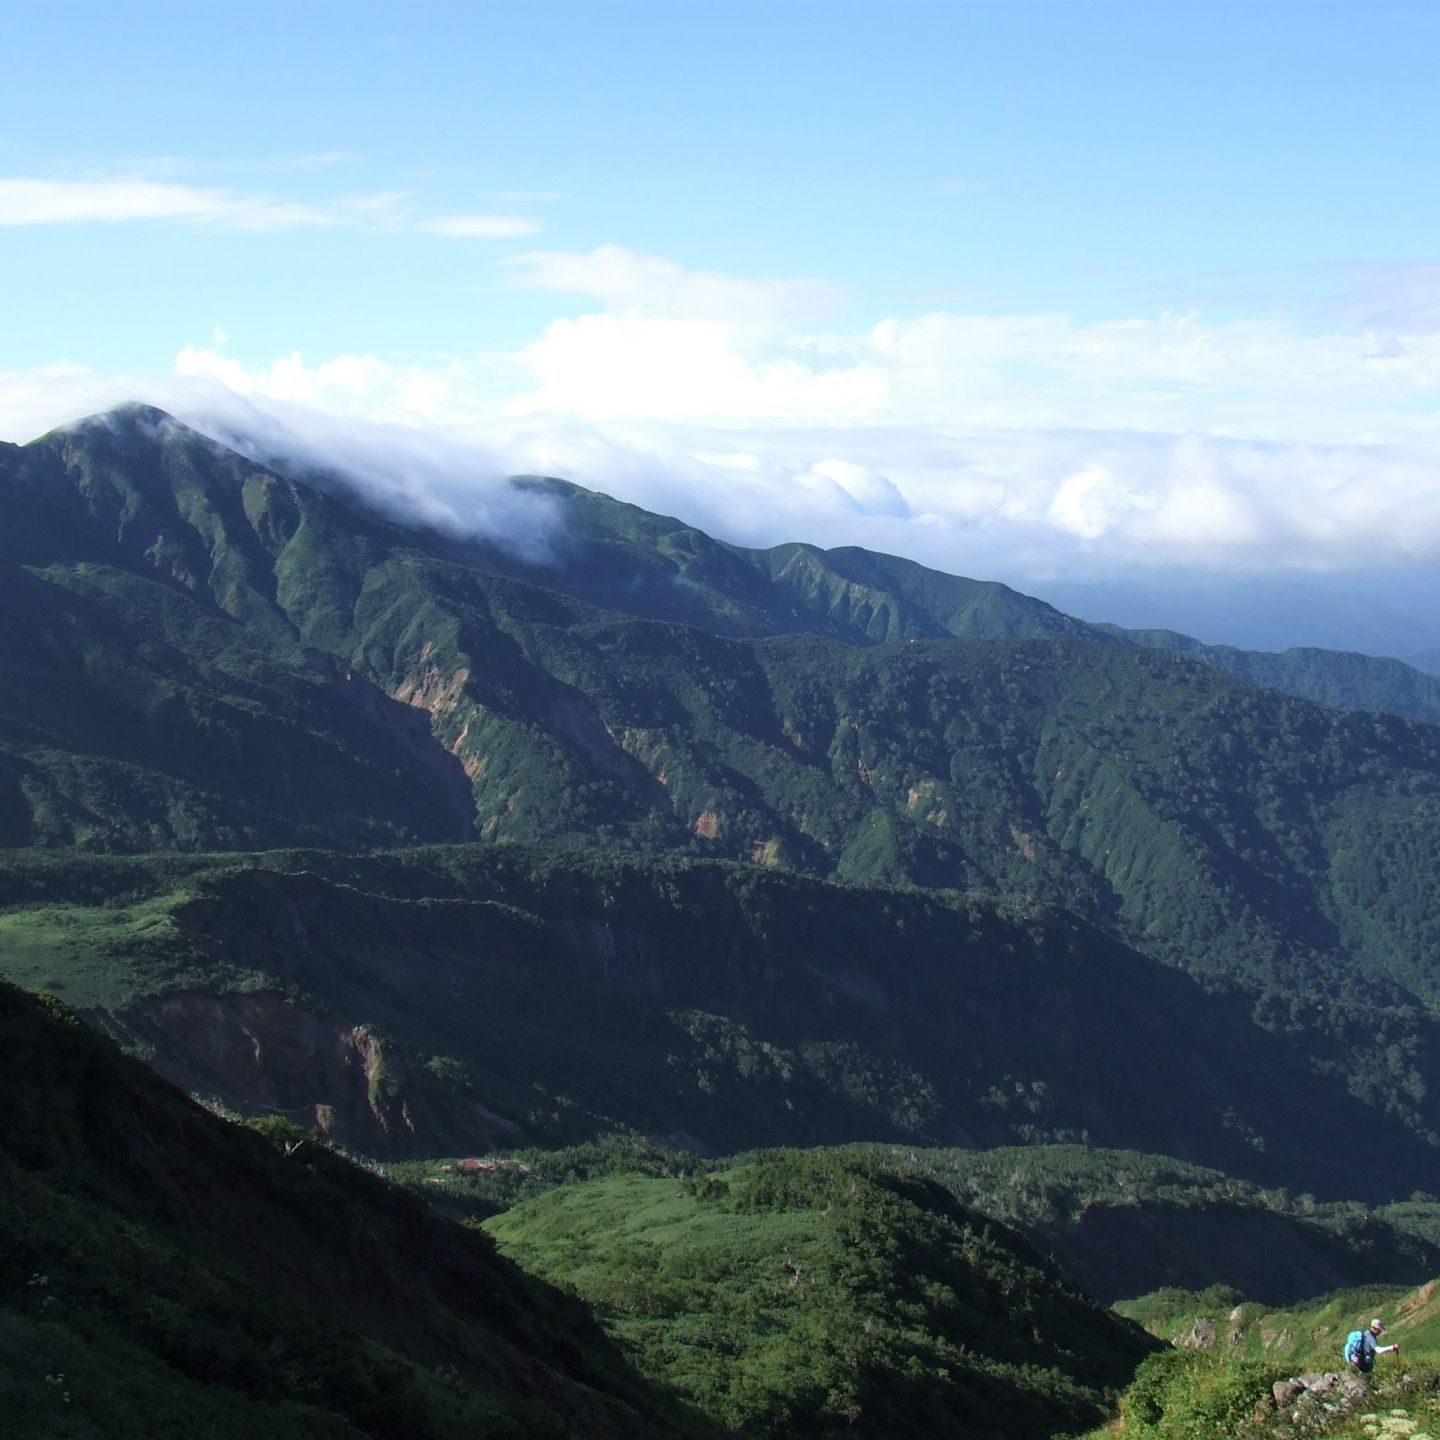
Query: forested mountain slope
{"x": 846, "y": 1298}
{"x": 441, "y": 847}
{"x": 445, "y": 1001}
{"x": 1125, "y": 1224}
{"x": 626, "y": 559}
{"x": 202, "y": 654}
{"x": 629, "y": 560}
{"x": 166, "y": 1273}
{"x": 1338, "y": 678}
{"x": 197, "y": 653}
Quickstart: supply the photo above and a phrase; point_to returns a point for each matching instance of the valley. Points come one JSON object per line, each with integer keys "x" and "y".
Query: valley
{"x": 850, "y": 981}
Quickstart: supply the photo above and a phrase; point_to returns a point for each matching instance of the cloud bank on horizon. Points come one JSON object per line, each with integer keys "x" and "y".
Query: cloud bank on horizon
{"x": 1021, "y": 445}
{"x": 1030, "y": 292}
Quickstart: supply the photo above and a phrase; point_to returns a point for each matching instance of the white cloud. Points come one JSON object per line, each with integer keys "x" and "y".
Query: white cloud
{"x": 870, "y": 492}
{"x": 628, "y": 281}
{"x": 28, "y": 201}
{"x": 1006, "y": 503}
{"x": 635, "y": 365}
{"x": 174, "y": 165}
{"x": 1092, "y": 501}
{"x": 481, "y": 227}
{"x": 1399, "y": 299}
{"x": 686, "y": 347}
{"x": 60, "y": 202}
{"x": 360, "y": 385}
{"x": 1007, "y": 446}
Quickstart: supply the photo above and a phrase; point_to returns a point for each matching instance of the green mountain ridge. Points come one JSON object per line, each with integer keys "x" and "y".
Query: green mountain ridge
{"x": 441, "y": 850}
{"x": 432, "y": 1002}
{"x": 629, "y": 560}
{"x": 1124, "y": 1224}
{"x": 622, "y": 558}
{"x": 202, "y": 654}
{"x": 913, "y": 764}
{"x": 1340, "y": 679}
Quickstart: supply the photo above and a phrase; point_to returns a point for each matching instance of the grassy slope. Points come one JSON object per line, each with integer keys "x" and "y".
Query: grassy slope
{"x": 810, "y": 1293}
{"x": 181, "y": 1276}
{"x": 1120, "y": 1224}
{"x": 1217, "y": 1383}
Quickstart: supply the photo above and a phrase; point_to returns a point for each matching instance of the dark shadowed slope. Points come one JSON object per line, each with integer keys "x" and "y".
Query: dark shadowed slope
{"x": 445, "y": 1002}
{"x": 183, "y": 1275}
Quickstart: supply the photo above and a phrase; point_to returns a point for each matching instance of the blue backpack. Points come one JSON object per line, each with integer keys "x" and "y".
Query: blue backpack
{"x": 1355, "y": 1352}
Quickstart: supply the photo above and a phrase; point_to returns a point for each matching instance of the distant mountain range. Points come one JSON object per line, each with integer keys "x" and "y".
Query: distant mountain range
{"x": 199, "y": 654}
{"x": 402, "y": 841}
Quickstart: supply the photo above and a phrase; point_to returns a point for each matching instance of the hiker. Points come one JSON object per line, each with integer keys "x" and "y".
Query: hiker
{"x": 1362, "y": 1346}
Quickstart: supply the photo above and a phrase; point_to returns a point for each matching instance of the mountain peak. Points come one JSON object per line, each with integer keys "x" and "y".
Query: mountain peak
{"x": 137, "y": 412}
{"x": 134, "y": 416}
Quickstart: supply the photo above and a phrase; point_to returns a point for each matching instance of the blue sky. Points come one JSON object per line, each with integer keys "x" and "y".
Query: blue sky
{"x": 1067, "y": 293}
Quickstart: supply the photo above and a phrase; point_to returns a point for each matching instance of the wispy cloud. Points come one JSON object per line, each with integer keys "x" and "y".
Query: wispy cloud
{"x": 480, "y": 227}
{"x": 628, "y": 280}
{"x": 1398, "y": 299}
{"x": 308, "y": 160}
{"x": 26, "y": 201}
{"x": 172, "y": 166}
{"x": 68, "y": 202}
{"x": 528, "y": 197}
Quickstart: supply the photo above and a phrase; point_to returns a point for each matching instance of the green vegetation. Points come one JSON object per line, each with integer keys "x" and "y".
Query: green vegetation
{"x": 171, "y": 704}
{"x": 1124, "y": 1224}
{"x": 205, "y": 655}
{"x": 1219, "y": 1382}
{"x": 1339, "y": 679}
{"x": 720, "y": 1004}
{"x": 804, "y": 1293}
{"x": 166, "y": 1273}
{"x": 475, "y": 1188}
{"x": 440, "y": 850}
{"x": 1120, "y": 1224}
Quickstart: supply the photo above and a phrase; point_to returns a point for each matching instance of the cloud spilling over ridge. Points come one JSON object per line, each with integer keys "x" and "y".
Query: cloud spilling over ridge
{"x": 1020, "y": 447}
{"x": 438, "y": 480}
{"x": 431, "y": 477}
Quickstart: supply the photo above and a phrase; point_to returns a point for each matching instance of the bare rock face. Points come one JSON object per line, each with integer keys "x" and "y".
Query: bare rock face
{"x": 1307, "y": 1405}
{"x": 257, "y": 1053}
